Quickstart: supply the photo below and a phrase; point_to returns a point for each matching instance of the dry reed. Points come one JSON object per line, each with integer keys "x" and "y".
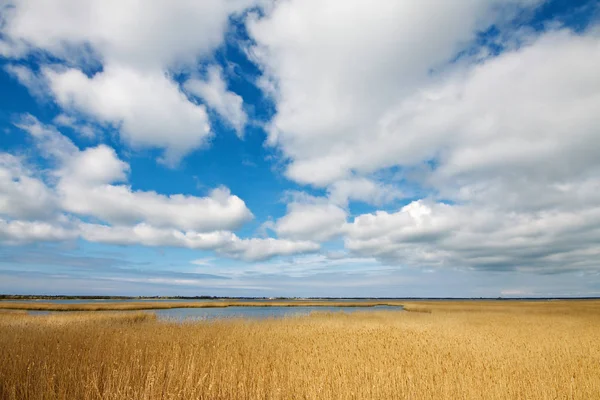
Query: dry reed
{"x": 462, "y": 350}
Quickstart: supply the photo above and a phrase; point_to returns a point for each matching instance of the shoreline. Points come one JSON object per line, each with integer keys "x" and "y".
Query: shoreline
{"x": 426, "y": 306}
{"x": 130, "y": 306}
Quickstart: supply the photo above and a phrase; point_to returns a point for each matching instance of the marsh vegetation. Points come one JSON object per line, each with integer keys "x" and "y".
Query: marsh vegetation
{"x": 449, "y": 350}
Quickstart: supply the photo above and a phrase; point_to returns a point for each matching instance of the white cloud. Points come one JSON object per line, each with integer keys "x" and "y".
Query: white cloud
{"x": 20, "y": 232}
{"x": 426, "y": 234}
{"x": 362, "y": 189}
{"x": 83, "y": 129}
{"x": 223, "y": 242}
{"x": 64, "y": 120}
{"x": 15, "y": 232}
{"x": 136, "y": 46}
{"x": 144, "y": 36}
{"x": 214, "y": 93}
{"x": 203, "y": 262}
{"x": 95, "y": 166}
{"x": 338, "y": 67}
{"x": 318, "y": 221}
{"x": 509, "y": 141}
{"x": 118, "y": 204}
{"x": 516, "y": 116}
{"x": 48, "y": 140}
{"x": 86, "y": 186}
{"x": 26, "y": 77}
{"x": 22, "y": 195}
{"x": 257, "y": 249}
{"x": 148, "y": 107}
{"x": 324, "y": 218}
{"x": 149, "y": 235}
{"x": 507, "y": 118}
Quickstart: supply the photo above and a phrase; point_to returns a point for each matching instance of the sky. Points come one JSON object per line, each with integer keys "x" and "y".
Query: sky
{"x": 300, "y": 148}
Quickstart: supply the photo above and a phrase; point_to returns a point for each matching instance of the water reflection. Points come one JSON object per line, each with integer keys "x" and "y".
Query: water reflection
{"x": 256, "y": 312}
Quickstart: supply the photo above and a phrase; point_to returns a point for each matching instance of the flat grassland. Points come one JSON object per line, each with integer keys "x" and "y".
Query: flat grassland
{"x": 448, "y": 350}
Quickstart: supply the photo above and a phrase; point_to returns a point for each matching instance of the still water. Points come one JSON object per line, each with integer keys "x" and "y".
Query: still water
{"x": 186, "y": 314}
{"x": 257, "y": 312}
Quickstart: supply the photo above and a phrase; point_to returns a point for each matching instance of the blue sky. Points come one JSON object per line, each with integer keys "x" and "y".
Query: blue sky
{"x": 300, "y": 148}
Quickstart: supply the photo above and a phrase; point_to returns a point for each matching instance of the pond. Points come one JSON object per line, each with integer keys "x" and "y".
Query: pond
{"x": 258, "y": 312}
{"x": 183, "y": 314}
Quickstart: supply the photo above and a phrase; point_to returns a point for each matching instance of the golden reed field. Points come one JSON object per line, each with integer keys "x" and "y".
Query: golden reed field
{"x": 448, "y": 350}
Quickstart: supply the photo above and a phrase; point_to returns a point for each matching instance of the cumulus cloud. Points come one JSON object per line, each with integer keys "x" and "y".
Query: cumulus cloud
{"x": 132, "y": 90}
{"x": 428, "y": 234}
{"x": 149, "y": 235}
{"x": 362, "y": 189}
{"x": 36, "y": 85}
{"x": 94, "y": 166}
{"x": 513, "y": 114}
{"x": 85, "y": 183}
{"x": 504, "y": 145}
{"x": 23, "y": 195}
{"x": 324, "y": 218}
{"x": 148, "y": 108}
{"x": 337, "y": 77}
{"x": 319, "y": 221}
{"x": 223, "y": 242}
{"x": 150, "y": 37}
{"x": 119, "y": 204}
{"x": 47, "y": 139}
{"x": 214, "y": 92}
{"x": 81, "y": 128}
{"x": 86, "y": 186}
{"x": 20, "y": 232}
{"x": 257, "y": 249}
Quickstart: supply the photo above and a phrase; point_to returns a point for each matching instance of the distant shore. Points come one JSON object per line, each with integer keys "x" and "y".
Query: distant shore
{"x": 238, "y": 298}
{"x": 150, "y": 305}
{"x": 408, "y": 305}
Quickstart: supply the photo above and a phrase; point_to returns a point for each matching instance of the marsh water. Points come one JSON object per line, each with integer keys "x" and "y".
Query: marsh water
{"x": 257, "y": 312}
{"x": 225, "y": 312}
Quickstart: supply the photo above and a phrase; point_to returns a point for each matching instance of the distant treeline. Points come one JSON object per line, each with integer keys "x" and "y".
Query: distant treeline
{"x": 64, "y": 297}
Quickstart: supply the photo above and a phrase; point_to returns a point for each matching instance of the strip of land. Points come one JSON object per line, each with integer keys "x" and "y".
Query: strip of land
{"x": 161, "y": 305}
{"x": 502, "y": 306}
{"x": 424, "y": 306}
